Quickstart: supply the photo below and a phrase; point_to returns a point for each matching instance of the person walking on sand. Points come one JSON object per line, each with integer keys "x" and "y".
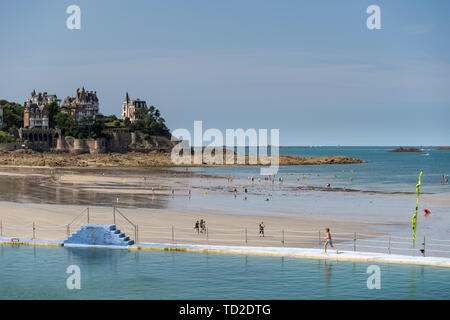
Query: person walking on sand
{"x": 201, "y": 225}
{"x": 235, "y": 192}
{"x": 261, "y": 229}
{"x": 197, "y": 227}
{"x": 204, "y": 226}
{"x": 328, "y": 241}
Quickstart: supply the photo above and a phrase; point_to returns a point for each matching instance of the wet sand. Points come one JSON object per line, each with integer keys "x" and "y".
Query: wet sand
{"x": 52, "y": 198}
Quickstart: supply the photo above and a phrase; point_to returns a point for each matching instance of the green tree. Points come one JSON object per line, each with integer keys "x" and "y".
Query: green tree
{"x": 149, "y": 121}
{"x": 67, "y": 124}
{"x": 52, "y": 111}
{"x": 12, "y": 115}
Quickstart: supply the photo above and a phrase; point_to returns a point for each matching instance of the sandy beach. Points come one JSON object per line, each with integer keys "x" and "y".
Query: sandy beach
{"x": 155, "y": 225}
{"x": 152, "y": 210}
{"x": 157, "y": 203}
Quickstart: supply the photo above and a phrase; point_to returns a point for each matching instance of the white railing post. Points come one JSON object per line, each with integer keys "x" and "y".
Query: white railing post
{"x": 423, "y": 252}
{"x": 320, "y": 240}
{"x": 136, "y": 233}
{"x": 389, "y": 246}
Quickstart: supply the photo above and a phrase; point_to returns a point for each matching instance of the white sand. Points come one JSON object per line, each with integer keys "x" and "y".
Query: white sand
{"x": 155, "y": 225}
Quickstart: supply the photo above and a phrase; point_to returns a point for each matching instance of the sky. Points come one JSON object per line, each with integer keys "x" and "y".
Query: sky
{"x": 311, "y": 69}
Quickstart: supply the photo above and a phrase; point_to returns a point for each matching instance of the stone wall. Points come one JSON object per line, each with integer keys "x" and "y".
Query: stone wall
{"x": 10, "y": 146}
{"x": 119, "y": 141}
{"x": 40, "y": 139}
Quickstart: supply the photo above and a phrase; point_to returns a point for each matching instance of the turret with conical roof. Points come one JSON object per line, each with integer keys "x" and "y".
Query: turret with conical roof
{"x": 130, "y": 106}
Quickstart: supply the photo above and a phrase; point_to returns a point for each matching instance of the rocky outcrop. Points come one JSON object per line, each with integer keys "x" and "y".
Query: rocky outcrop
{"x": 140, "y": 159}
{"x": 296, "y": 160}
{"x": 406, "y": 149}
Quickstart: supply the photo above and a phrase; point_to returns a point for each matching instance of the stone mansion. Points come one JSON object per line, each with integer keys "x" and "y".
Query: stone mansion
{"x": 35, "y": 113}
{"x": 129, "y": 107}
{"x": 84, "y": 103}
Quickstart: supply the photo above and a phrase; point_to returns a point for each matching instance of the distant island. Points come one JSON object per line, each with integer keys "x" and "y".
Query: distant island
{"x": 442, "y": 148}
{"x": 405, "y": 149}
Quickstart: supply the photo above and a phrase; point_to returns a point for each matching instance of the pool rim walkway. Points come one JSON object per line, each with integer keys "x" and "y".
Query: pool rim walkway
{"x": 308, "y": 253}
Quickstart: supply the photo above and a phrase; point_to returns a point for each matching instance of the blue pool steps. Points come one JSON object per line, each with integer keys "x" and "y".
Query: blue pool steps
{"x": 99, "y": 235}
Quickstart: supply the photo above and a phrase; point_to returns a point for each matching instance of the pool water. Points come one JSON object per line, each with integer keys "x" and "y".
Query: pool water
{"x": 28, "y": 272}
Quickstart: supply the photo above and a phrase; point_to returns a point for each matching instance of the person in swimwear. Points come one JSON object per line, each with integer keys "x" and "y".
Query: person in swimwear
{"x": 328, "y": 241}
{"x": 197, "y": 226}
{"x": 261, "y": 229}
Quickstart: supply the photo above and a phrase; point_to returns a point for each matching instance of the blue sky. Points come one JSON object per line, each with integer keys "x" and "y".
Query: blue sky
{"x": 309, "y": 68}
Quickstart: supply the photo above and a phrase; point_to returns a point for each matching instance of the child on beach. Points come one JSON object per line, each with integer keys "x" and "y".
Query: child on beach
{"x": 328, "y": 241}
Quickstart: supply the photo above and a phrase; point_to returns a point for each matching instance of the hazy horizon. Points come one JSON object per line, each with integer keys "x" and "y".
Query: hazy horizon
{"x": 311, "y": 69}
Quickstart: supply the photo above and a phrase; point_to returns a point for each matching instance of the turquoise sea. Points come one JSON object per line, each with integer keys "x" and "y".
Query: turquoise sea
{"x": 40, "y": 273}
{"x": 384, "y": 171}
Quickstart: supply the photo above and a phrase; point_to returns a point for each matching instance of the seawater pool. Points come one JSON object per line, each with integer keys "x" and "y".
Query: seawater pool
{"x": 30, "y": 272}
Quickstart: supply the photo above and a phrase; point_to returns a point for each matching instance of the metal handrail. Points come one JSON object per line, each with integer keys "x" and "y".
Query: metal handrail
{"x": 135, "y": 227}
{"x": 76, "y": 218}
